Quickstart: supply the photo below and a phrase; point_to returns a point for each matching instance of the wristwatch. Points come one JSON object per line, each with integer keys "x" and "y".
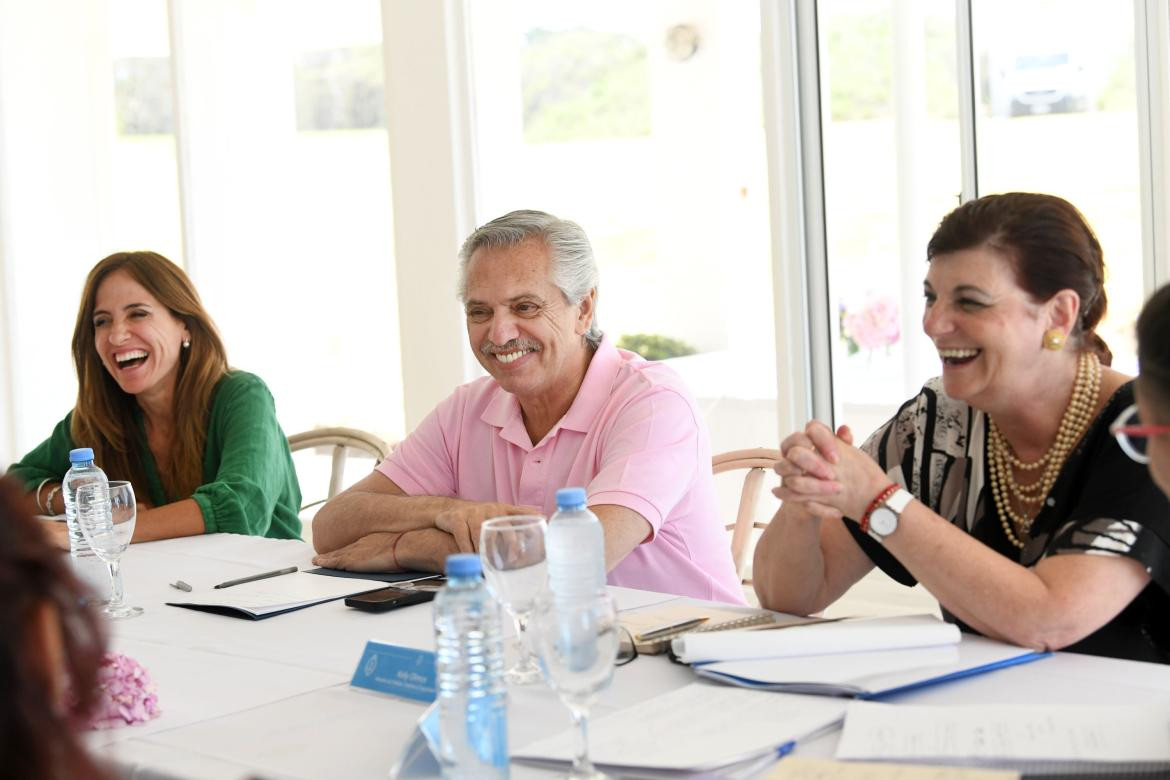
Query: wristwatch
{"x": 883, "y": 521}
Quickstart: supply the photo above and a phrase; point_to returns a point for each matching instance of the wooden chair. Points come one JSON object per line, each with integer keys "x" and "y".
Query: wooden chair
{"x": 757, "y": 462}
{"x": 343, "y": 441}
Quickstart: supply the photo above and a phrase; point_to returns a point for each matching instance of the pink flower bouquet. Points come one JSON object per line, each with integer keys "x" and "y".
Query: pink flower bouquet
{"x": 874, "y": 326}
{"x": 125, "y": 693}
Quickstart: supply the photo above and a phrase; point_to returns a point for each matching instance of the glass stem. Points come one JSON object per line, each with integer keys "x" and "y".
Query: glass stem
{"x": 115, "y": 568}
{"x": 528, "y": 657}
{"x": 581, "y": 765}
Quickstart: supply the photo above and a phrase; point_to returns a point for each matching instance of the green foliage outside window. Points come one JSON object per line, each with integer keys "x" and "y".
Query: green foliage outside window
{"x": 582, "y": 85}
{"x": 861, "y": 67}
{"x": 653, "y": 346}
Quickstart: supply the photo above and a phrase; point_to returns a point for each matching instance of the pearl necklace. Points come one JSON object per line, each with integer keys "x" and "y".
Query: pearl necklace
{"x": 1004, "y": 487}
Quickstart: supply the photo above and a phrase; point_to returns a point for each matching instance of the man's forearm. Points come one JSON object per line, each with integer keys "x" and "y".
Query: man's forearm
{"x": 425, "y": 550}
{"x": 352, "y": 515}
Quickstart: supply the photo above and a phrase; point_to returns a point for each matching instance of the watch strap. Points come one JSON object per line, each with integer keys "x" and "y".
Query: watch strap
{"x": 899, "y": 500}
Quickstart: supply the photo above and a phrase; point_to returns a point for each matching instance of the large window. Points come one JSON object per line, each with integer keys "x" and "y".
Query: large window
{"x": 1055, "y": 110}
{"x": 643, "y": 123}
{"x": 891, "y": 165}
{"x": 1058, "y": 114}
{"x": 282, "y": 110}
{"x": 254, "y": 154}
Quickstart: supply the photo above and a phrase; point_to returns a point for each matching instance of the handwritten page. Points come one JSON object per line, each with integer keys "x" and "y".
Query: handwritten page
{"x": 796, "y": 768}
{"x": 1022, "y": 736}
{"x": 845, "y": 636}
{"x": 697, "y": 727}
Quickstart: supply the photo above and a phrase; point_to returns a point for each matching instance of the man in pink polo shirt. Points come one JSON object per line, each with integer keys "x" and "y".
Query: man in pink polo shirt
{"x": 562, "y": 406}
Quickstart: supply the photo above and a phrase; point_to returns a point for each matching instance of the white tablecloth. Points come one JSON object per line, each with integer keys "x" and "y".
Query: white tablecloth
{"x": 271, "y": 698}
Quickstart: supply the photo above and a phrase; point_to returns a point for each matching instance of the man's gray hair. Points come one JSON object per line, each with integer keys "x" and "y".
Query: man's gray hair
{"x": 574, "y": 270}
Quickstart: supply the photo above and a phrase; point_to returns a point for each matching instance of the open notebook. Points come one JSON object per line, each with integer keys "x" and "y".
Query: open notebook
{"x": 655, "y": 621}
{"x": 274, "y": 595}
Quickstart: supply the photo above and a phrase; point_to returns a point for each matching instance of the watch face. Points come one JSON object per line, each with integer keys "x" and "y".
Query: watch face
{"x": 883, "y": 521}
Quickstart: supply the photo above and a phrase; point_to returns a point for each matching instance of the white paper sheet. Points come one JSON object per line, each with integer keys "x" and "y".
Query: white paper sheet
{"x": 1024, "y": 736}
{"x": 845, "y": 636}
{"x": 698, "y": 726}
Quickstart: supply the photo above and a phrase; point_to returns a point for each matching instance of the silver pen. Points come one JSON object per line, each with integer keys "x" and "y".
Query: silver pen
{"x": 254, "y": 577}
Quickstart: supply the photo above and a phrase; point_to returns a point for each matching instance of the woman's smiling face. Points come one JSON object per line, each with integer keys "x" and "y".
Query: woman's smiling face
{"x": 986, "y": 328}
{"x": 137, "y": 339}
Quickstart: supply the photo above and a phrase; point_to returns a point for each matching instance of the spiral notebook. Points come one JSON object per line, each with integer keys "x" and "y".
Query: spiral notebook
{"x": 650, "y": 627}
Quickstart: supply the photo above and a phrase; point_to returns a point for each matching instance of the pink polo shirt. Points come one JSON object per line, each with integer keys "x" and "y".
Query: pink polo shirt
{"x": 633, "y": 437}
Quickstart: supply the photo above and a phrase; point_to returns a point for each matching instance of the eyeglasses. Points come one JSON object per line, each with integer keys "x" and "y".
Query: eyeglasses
{"x": 1132, "y": 435}
{"x": 627, "y": 650}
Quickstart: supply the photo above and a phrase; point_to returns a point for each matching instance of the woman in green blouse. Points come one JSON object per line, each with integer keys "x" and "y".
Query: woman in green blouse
{"x": 159, "y": 406}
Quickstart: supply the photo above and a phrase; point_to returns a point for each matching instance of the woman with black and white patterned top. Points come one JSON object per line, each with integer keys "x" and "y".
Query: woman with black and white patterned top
{"x": 999, "y": 486}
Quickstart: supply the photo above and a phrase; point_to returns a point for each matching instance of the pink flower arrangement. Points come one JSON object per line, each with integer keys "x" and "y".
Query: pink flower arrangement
{"x": 875, "y": 325}
{"x": 125, "y": 693}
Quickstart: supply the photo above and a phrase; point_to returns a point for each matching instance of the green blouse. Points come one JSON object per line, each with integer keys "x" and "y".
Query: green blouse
{"x": 249, "y": 483}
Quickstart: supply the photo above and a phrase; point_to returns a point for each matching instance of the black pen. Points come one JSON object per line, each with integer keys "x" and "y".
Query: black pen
{"x": 255, "y": 577}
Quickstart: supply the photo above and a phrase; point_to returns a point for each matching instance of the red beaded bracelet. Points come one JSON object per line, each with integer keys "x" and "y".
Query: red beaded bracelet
{"x": 888, "y": 491}
{"x": 394, "y": 551}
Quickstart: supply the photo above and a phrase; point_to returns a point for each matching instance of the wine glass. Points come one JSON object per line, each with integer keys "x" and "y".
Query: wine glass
{"x": 514, "y": 565}
{"x": 106, "y": 515}
{"x": 578, "y": 644}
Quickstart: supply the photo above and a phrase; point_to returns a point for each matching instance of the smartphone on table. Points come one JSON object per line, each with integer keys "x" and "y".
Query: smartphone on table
{"x": 387, "y": 599}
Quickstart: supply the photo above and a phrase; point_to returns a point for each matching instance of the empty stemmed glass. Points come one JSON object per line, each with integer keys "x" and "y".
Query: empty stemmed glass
{"x": 514, "y": 565}
{"x": 106, "y": 516}
{"x": 578, "y": 644}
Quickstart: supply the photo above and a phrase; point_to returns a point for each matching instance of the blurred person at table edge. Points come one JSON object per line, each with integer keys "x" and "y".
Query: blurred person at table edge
{"x": 562, "y": 406}
{"x": 159, "y": 405}
{"x": 999, "y": 486}
{"x": 50, "y": 650}
{"x": 1153, "y": 387}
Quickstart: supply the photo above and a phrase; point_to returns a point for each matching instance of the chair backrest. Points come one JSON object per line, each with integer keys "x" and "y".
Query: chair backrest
{"x": 342, "y": 440}
{"x": 757, "y": 462}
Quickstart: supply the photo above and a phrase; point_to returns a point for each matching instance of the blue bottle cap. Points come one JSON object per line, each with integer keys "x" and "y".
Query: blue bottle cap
{"x": 571, "y": 498}
{"x": 81, "y": 455}
{"x": 464, "y": 565}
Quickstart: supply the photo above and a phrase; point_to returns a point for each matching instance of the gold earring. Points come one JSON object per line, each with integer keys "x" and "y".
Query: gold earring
{"x": 1053, "y": 339}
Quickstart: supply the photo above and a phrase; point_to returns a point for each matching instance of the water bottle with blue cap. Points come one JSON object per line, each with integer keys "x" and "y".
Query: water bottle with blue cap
{"x": 86, "y": 565}
{"x": 575, "y": 546}
{"x": 473, "y": 713}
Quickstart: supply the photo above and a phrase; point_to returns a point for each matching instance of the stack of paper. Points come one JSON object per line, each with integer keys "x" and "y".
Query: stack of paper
{"x": 1034, "y": 739}
{"x": 864, "y": 658}
{"x": 843, "y": 636}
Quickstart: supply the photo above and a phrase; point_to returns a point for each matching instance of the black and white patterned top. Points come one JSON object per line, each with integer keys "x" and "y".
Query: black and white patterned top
{"x": 1102, "y": 503}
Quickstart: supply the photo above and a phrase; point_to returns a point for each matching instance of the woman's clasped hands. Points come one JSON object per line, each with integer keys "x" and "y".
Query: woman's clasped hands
{"x": 826, "y": 474}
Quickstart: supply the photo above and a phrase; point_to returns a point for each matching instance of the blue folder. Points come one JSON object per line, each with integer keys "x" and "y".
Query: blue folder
{"x": 884, "y": 685}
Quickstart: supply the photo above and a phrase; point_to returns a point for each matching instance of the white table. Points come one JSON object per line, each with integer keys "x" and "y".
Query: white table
{"x": 271, "y": 698}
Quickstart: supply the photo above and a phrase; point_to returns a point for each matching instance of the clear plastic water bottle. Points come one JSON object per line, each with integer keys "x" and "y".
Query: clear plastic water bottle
{"x": 86, "y": 565}
{"x": 473, "y": 707}
{"x": 575, "y": 546}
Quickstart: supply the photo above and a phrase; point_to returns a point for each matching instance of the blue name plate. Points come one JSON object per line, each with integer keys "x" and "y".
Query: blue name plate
{"x": 399, "y": 671}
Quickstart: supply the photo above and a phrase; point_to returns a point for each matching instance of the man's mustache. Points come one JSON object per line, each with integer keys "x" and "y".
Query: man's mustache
{"x": 491, "y": 348}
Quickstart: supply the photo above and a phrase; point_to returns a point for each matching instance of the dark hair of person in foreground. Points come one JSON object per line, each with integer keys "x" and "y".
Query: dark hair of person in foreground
{"x": 50, "y": 649}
